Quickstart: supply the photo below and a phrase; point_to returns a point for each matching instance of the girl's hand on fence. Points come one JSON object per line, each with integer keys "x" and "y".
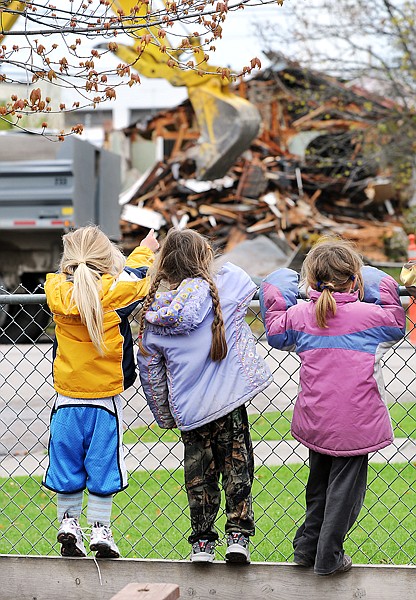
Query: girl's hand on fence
{"x": 150, "y": 241}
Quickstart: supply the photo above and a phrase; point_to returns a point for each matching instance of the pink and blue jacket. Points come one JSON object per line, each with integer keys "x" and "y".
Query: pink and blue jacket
{"x": 340, "y": 409}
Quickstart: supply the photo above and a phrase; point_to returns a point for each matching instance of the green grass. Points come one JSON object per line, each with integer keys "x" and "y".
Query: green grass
{"x": 268, "y": 426}
{"x": 276, "y": 426}
{"x": 403, "y": 417}
{"x": 394, "y": 272}
{"x": 151, "y": 516}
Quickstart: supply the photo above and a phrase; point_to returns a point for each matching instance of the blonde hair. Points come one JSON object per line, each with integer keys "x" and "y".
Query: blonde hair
{"x": 332, "y": 265}
{"x": 88, "y": 254}
{"x": 186, "y": 253}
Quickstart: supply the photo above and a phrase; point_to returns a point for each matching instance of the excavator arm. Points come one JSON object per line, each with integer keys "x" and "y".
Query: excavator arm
{"x": 227, "y": 122}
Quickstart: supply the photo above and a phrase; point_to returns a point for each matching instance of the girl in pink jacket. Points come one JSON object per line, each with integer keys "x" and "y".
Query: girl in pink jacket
{"x": 353, "y": 317}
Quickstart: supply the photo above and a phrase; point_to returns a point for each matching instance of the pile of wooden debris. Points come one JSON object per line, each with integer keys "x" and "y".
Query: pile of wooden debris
{"x": 306, "y": 174}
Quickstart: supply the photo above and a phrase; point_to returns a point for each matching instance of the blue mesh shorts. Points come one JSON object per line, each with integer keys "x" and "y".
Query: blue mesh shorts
{"x": 85, "y": 447}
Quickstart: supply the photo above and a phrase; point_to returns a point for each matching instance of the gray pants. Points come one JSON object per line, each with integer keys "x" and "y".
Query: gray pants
{"x": 334, "y": 497}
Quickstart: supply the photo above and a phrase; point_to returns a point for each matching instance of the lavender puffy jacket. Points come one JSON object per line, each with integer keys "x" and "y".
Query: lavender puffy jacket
{"x": 184, "y": 388}
{"x": 340, "y": 409}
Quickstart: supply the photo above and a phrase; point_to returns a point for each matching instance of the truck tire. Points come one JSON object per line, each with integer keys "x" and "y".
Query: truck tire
{"x": 24, "y": 323}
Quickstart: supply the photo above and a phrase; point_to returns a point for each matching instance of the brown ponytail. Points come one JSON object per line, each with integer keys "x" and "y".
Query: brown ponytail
{"x": 325, "y": 305}
{"x": 332, "y": 265}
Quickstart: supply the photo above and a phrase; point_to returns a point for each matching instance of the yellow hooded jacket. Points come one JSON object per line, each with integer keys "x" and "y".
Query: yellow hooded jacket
{"x": 78, "y": 369}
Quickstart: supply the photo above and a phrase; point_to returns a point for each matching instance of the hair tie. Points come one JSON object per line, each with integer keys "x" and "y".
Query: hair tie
{"x": 82, "y": 262}
{"x": 321, "y": 286}
{"x": 352, "y": 277}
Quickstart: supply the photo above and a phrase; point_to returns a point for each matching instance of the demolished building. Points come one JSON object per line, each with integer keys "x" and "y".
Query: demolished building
{"x": 310, "y": 171}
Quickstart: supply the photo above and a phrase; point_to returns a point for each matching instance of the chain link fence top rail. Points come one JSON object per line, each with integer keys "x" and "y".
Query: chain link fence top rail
{"x": 150, "y": 518}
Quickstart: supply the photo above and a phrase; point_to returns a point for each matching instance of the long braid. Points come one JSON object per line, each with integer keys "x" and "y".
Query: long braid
{"x": 186, "y": 253}
{"x": 145, "y": 307}
{"x": 219, "y": 344}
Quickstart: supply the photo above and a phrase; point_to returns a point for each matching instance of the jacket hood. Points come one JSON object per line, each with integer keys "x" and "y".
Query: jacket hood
{"x": 178, "y": 311}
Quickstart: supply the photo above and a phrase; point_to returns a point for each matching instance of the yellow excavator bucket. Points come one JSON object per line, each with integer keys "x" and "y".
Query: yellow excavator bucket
{"x": 227, "y": 122}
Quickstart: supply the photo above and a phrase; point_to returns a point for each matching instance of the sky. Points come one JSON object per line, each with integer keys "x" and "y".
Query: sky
{"x": 241, "y": 40}
{"x": 239, "y": 44}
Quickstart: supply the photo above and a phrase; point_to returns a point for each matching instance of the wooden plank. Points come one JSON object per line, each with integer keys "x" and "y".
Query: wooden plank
{"x": 148, "y": 591}
{"x": 235, "y": 237}
{"x": 209, "y": 209}
{"x": 268, "y": 223}
{"x": 53, "y": 577}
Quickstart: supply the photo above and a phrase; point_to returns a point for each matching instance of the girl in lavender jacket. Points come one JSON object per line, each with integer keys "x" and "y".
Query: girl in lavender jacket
{"x": 354, "y": 316}
{"x": 198, "y": 367}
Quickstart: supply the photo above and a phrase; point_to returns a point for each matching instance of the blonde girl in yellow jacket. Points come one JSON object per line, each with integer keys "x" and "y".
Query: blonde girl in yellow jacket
{"x": 91, "y": 298}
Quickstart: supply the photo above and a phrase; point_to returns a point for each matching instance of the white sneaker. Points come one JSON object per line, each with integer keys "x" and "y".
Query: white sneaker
{"x": 103, "y": 543}
{"x": 203, "y": 551}
{"x": 70, "y": 537}
{"x": 237, "y": 548}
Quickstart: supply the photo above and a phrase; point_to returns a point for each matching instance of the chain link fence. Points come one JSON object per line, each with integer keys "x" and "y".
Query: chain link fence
{"x": 150, "y": 518}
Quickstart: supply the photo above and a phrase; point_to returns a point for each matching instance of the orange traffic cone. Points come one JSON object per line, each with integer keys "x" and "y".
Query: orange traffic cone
{"x": 411, "y": 315}
{"x": 411, "y": 249}
{"x": 411, "y": 309}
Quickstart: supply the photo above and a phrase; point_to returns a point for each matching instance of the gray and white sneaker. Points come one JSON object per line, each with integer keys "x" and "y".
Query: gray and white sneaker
{"x": 70, "y": 537}
{"x": 237, "y": 548}
{"x": 203, "y": 551}
{"x": 102, "y": 542}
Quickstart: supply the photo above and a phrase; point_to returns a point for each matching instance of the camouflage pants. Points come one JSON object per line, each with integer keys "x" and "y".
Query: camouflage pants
{"x": 224, "y": 448}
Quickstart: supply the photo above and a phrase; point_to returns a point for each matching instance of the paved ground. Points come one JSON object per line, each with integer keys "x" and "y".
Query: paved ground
{"x": 26, "y": 392}
{"x": 151, "y": 456}
{"x": 27, "y": 395}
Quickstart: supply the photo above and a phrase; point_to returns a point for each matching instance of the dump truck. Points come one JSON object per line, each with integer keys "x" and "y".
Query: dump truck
{"x": 46, "y": 189}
